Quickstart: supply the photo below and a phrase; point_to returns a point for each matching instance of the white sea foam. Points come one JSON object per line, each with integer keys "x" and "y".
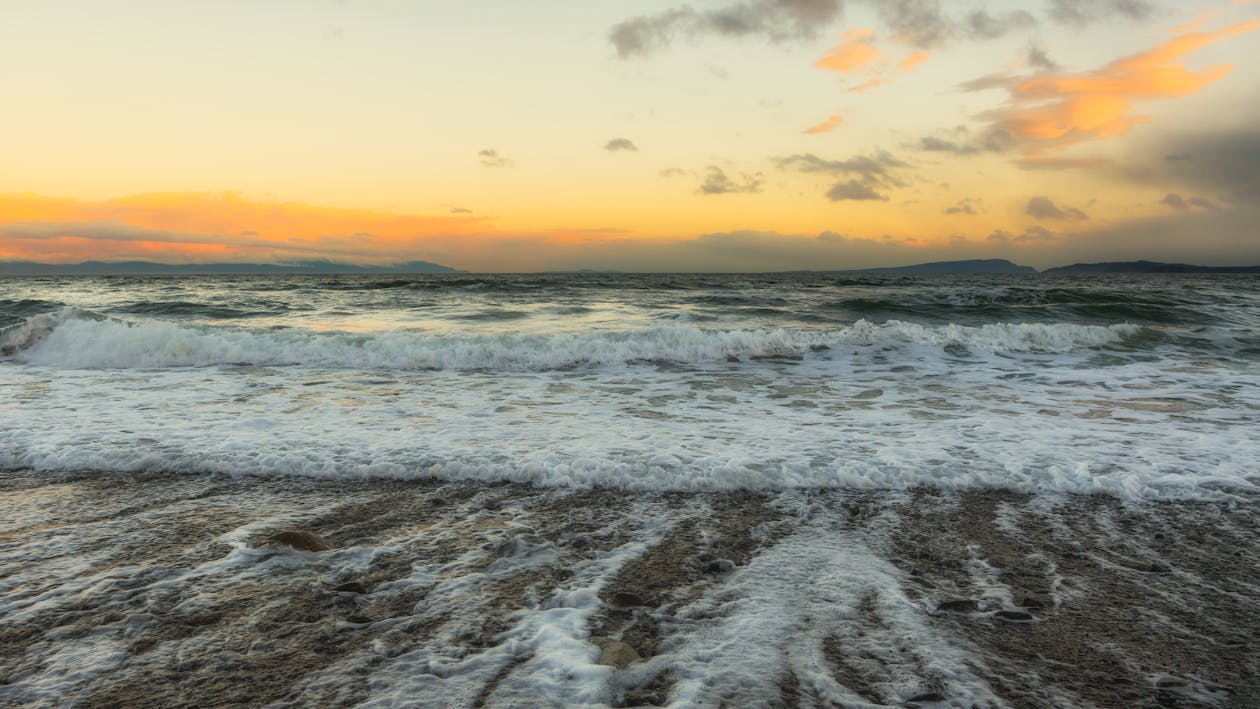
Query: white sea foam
{"x": 70, "y": 340}
{"x": 864, "y": 420}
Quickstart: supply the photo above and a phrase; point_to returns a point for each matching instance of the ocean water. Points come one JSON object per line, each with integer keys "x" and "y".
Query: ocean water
{"x": 1141, "y": 387}
{"x": 778, "y": 490}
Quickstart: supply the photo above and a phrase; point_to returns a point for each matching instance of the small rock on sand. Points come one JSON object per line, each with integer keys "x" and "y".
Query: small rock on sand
{"x": 627, "y": 598}
{"x": 958, "y": 605}
{"x": 300, "y": 539}
{"x": 719, "y": 566}
{"x": 1011, "y": 616}
{"x": 615, "y": 653}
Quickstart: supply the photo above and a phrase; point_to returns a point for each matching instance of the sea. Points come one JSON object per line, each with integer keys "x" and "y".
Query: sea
{"x": 622, "y": 490}
{"x": 1135, "y": 386}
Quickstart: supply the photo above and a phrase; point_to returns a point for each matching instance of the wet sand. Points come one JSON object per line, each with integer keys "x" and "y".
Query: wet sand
{"x": 160, "y": 590}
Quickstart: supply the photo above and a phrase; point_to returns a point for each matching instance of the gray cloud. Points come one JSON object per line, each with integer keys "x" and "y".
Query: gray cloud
{"x": 111, "y": 231}
{"x": 460, "y": 210}
{"x": 924, "y": 24}
{"x": 920, "y": 22}
{"x": 966, "y": 205}
{"x": 1044, "y": 208}
{"x": 673, "y": 172}
{"x": 1176, "y": 201}
{"x": 962, "y": 141}
{"x": 491, "y": 158}
{"x": 775, "y": 20}
{"x": 1038, "y": 59}
{"x": 854, "y": 190}
{"x": 1079, "y": 13}
{"x": 1223, "y": 236}
{"x": 123, "y": 232}
{"x": 981, "y": 25}
{"x": 1223, "y": 164}
{"x": 1032, "y": 236}
{"x": 616, "y": 144}
{"x": 717, "y": 182}
{"x": 879, "y": 168}
{"x": 866, "y": 174}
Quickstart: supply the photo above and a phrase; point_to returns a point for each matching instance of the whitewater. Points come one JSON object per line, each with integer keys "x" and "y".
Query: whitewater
{"x": 1138, "y": 387}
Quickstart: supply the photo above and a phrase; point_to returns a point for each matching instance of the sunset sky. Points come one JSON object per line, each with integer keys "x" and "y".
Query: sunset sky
{"x": 652, "y": 135}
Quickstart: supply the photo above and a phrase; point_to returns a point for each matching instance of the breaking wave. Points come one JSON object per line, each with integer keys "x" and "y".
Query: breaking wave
{"x": 73, "y": 338}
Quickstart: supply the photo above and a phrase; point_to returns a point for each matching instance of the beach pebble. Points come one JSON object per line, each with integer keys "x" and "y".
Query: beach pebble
{"x": 615, "y": 653}
{"x": 1011, "y": 616}
{"x": 300, "y": 539}
{"x": 958, "y": 605}
{"x": 627, "y": 598}
{"x": 1157, "y": 568}
{"x": 719, "y": 566}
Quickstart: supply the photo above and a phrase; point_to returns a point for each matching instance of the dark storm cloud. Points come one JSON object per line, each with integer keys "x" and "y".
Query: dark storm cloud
{"x": 775, "y": 20}
{"x": 1079, "y": 13}
{"x": 617, "y": 144}
{"x": 491, "y": 158}
{"x": 1044, "y": 208}
{"x": 718, "y": 182}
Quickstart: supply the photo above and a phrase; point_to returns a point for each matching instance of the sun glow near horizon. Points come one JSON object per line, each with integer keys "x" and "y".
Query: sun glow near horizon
{"x": 630, "y": 137}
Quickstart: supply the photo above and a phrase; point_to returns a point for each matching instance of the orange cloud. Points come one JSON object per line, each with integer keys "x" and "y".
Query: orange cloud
{"x": 855, "y": 52}
{"x": 913, "y": 61}
{"x": 868, "y": 85}
{"x": 825, "y": 126}
{"x": 1053, "y": 111}
{"x": 230, "y": 227}
{"x": 194, "y": 226}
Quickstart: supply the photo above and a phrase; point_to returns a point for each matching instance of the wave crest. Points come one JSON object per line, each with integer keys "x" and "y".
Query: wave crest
{"x": 82, "y": 340}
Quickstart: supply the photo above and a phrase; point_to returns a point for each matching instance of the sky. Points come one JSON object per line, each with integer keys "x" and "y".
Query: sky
{"x": 638, "y": 135}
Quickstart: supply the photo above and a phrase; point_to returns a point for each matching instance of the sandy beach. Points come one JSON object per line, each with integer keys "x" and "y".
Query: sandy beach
{"x": 162, "y": 590}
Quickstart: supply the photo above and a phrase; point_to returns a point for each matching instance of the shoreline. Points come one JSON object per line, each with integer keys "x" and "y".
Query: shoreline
{"x": 126, "y": 589}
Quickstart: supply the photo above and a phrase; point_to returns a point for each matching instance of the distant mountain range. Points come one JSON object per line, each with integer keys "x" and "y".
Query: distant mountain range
{"x": 149, "y": 268}
{"x": 974, "y": 266}
{"x": 992, "y": 265}
{"x": 1148, "y": 267}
